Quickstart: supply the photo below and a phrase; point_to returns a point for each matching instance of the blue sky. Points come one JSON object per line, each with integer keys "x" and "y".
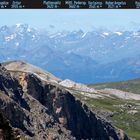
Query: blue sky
{"x": 72, "y": 19}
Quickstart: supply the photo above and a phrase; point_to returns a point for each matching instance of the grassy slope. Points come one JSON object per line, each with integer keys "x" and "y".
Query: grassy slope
{"x": 130, "y": 123}
{"x": 129, "y": 86}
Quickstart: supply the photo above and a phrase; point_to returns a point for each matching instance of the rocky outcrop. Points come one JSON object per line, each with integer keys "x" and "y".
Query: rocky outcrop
{"x": 77, "y": 86}
{"x": 42, "y": 110}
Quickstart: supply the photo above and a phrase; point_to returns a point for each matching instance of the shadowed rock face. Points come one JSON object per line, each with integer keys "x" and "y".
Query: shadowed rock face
{"x": 6, "y": 131}
{"x": 42, "y": 110}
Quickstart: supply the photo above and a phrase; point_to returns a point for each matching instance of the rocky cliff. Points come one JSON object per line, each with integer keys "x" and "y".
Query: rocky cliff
{"x": 43, "y": 110}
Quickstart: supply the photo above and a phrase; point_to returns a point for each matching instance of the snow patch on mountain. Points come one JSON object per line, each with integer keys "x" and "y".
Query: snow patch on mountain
{"x": 105, "y": 33}
{"x": 9, "y": 38}
{"x": 18, "y": 25}
{"x": 84, "y": 35}
{"x": 59, "y": 34}
{"x": 118, "y": 33}
{"x": 28, "y": 30}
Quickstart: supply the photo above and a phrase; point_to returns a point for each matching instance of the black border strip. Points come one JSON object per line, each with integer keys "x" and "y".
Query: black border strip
{"x": 69, "y": 4}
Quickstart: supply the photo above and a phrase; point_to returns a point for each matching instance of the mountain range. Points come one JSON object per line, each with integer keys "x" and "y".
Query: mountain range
{"x": 87, "y": 57}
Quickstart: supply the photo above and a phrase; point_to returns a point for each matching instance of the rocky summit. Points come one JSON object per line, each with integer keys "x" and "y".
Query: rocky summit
{"x": 35, "y": 108}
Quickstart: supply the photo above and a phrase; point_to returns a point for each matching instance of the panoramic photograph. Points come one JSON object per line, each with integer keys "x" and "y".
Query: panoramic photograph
{"x": 69, "y": 74}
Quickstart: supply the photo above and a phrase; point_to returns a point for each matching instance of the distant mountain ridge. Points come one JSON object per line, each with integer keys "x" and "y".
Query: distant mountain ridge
{"x": 85, "y": 57}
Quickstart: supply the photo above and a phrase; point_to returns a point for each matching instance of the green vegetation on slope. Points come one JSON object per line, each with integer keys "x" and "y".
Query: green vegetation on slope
{"x": 129, "y": 86}
{"x": 125, "y": 114}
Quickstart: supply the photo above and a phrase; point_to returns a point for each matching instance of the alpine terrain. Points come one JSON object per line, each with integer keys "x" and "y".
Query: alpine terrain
{"x": 36, "y": 105}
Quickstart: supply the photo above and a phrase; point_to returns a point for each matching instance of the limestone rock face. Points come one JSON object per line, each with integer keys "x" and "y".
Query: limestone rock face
{"x": 77, "y": 86}
{"x": 42, "y": 110}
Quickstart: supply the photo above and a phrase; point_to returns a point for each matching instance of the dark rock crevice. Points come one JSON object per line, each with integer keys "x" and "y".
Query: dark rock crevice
{"x": 12, "y": 88}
